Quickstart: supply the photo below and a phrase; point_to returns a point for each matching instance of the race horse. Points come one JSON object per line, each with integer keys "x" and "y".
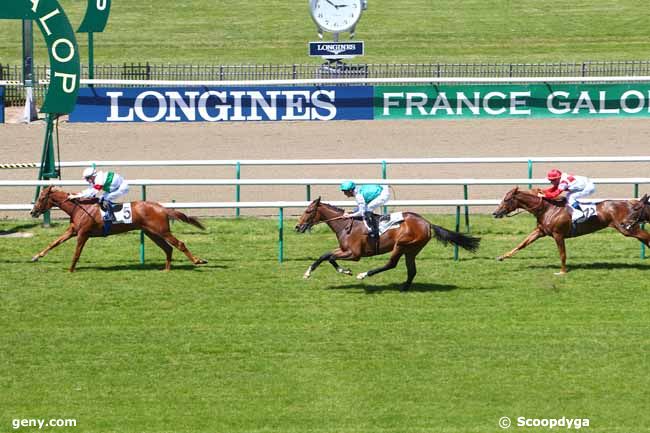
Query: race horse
{"x": 86, "y": 221}
{"x": 408, "y": 240}
{"x": 640, "y": 212}
{"x": 553, "y": 219}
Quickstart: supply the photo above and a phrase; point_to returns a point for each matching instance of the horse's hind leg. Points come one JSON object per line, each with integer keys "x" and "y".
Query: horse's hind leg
{"x": 171, "y": 239}
{"x": 64, "y": 237}
{"x": 411, "y": 269}
{"x": 392, "y": 262}
{"x": 163, "y": 246}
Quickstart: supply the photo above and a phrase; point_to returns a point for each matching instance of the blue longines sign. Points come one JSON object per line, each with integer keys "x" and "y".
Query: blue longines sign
{"x": 2, "y": 104}
{"x": 201, "y": 104}
{"x": 336, "y": 49}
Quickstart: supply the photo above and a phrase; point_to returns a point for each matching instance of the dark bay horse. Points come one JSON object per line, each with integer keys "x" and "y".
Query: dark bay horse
{"x": 86, "y": 221}
{"x": 553, "y": 219}
{"x": 407, "y": 240}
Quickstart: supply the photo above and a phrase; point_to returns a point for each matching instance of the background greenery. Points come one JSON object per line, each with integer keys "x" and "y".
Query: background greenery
{"x": 244, "y": 344}
{"x": 408, "y": 31}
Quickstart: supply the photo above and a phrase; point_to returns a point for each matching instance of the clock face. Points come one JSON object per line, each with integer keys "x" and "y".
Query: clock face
{"x": 336, "y": 15}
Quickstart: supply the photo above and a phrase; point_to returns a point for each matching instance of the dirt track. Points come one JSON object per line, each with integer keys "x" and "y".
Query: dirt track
{"x": 340, "y": 139}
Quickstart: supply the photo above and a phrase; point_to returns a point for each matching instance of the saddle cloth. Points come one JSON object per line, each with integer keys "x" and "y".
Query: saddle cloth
{"x": 121, "y": 213}
{"x": 388, "y": 222}
{"x": 589, "y": 210}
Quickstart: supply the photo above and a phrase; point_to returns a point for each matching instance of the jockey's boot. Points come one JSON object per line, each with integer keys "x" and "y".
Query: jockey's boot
{"x": 372, "y": 223}
{"x": 108, "y": 216}
{"x": 577, "y": 214}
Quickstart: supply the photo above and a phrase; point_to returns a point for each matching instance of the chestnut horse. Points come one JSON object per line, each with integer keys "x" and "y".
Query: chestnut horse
{"x": 407, "y": 240}
{"x": 86, "y": 221}
{"x": 553, "y": 219}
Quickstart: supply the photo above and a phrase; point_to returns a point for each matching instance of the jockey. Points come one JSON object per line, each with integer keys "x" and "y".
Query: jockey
{"x": 368, "y": 198}
{"x": 109, "y": 184}
{"x": 576, "y": 187}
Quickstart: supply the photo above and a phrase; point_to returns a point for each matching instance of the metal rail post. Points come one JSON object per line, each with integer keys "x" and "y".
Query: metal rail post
{"x": 237, "y": 187}
{"x": 530, "y": 173}
{"x": 636, "y": 195}
{"x": 466, "y": 196}
{"x": 281, "y": 235}
{"x": 457, "y": 230}
{"x": 308, "y": 192}
{"x": 384, "y": 170}
{"x": 144, "y": 197}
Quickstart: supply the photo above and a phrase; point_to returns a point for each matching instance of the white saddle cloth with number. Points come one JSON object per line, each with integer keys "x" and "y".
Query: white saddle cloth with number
{"x": 121, "y": 216}
{"x": 588, "y": 209}
{"x": 390, "y": 223}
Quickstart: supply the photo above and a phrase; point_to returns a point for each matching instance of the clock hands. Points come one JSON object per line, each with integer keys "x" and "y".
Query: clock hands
{"x": 335, "y": 5}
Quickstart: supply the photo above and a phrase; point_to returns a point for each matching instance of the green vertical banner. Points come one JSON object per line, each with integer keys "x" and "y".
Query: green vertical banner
{"x": 512, "y": 101}
{"x": 96, "y": 16}
{"x": 62, "y": 49}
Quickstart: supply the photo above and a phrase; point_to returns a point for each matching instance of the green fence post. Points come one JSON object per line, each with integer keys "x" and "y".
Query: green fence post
{"x": 530, "y": 173}
{"x": 144, "y": 197}
{"x": 457, "y": 230}
{"x": 237, "y": 187}
{"x": 636, "y": 195}
{"x": 281, "y": 235}
{"x": 384, "y": 170}
{"x": 308, "y": 192}
{"x": 466, "y": 196}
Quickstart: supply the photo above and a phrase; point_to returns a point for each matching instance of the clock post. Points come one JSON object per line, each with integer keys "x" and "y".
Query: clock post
{"x": 336, "y": 17}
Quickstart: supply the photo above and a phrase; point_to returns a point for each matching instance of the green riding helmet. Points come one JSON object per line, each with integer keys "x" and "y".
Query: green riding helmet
{"x": 348, "y": 185}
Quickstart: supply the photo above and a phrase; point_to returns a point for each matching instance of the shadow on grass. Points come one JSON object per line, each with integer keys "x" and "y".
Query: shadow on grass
{"x": 149, "y": 267}
{"x": 395, "y": 287}
{"x": 597, "y": 265}
{"x": 19, "y": 228}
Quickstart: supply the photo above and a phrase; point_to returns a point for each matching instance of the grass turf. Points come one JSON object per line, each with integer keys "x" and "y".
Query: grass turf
{"x": 411, "y": 31}
{"x": 244, "y": 344}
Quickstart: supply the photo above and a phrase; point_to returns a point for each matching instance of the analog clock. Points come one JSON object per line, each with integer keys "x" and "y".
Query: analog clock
{"x": 336, "y": 16}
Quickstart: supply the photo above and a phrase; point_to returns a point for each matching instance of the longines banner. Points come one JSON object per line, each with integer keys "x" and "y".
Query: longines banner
{"x": 361, "y": 102}
{"x": 223, "y": 104}
{"x": 512, "y": 101}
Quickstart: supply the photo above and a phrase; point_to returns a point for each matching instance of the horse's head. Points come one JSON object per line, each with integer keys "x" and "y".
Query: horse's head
{"x": 310, "y": 217}
{"x": 638, "y": 213}
{"x": 43, "y": 203}
{"x": 508, "y": 204}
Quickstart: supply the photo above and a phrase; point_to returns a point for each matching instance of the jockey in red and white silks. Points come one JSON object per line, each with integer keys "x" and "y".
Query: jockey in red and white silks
{"x": 576, "y": 187}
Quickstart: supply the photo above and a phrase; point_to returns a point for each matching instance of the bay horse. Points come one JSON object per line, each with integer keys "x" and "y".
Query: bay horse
{"x": 553, "y": 219}
{"x": 407, "y": 240}
{"x": 640, "y": 212}
{"x": 86, "y": 222}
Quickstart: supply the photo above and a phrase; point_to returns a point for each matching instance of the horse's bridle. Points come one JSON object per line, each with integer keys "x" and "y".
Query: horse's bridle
{"x": 638, "y": 218}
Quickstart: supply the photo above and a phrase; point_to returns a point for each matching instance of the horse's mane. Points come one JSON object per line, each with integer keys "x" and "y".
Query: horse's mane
{"x": 331, "y": 206}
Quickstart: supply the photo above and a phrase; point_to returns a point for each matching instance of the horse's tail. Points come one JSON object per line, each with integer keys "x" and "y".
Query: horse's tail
{"x": 445, "y": 236}
{"x": 174, "y": 214}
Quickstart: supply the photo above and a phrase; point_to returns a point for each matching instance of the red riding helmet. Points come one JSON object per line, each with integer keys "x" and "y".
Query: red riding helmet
{"x": 554, "y": 174}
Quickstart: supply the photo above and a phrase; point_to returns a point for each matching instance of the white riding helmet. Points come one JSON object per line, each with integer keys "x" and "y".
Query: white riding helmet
{"x": 89, "y": 172}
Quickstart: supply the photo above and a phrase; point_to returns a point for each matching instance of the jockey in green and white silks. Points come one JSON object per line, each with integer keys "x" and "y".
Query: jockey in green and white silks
{"x": 368, "y": 198}
{"x": 107, "y": 186}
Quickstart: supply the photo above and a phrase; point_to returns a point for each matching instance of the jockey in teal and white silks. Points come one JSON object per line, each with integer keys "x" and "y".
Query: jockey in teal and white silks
{"x": 108, "y": 186}
{"x": 368, "y": 198}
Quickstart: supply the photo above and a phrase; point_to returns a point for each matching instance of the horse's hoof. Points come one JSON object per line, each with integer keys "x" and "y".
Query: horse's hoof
{"x": 306, "y": 276}
{"x": 560, "y": 273}
{"x": 362, "y": 275}
{"x": 35, "y": 258}
{"x": 500, "y": 258}
{"x": 201, "y": 262}
{"x": 344, "y": 271}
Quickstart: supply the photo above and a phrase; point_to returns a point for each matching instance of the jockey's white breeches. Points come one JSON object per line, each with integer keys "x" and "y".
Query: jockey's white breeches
{"x": 573, "y": 196}
{"x": 380, "y": 200}
{"x": 123, "y": 189}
